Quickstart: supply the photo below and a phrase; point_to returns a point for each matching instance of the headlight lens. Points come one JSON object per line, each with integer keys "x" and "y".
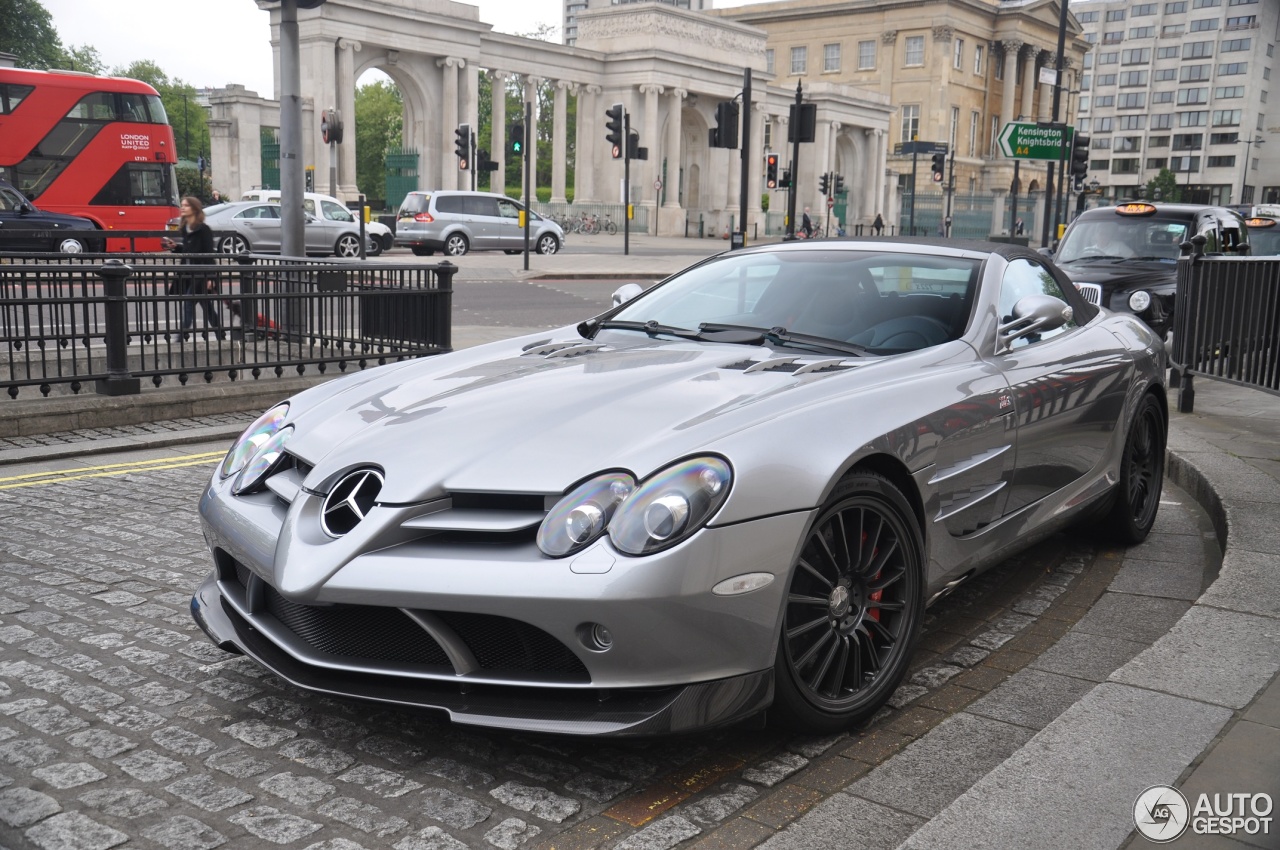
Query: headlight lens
{"x": 670, "y": 506}
{"x": 1139, "y": 301}
{"x": 252, "y": 439}
{"x": 581, "y": 517}
{"x": 263, "y": 461}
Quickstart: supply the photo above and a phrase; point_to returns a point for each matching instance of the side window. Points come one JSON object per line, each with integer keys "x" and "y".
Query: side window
{"x": 1023, "y": 278}
{"x": 449, "y": 204}
{"x": 1208, "y": 227}
{"x": 334, "y": 212}
{"x": 309, "y": 205}
{"x": 481, "y": 206}
{"x": 507, "y": 209}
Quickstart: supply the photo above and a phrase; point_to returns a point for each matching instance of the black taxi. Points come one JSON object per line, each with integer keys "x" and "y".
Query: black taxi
{"x": 1124, "y": 257}
{"x": 1264, "y": 230}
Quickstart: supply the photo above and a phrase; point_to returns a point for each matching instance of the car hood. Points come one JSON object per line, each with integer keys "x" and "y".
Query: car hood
{"x": 1122, "y": 275}
{"x": 53, "y": 220}
{"x": 499, "y": 419}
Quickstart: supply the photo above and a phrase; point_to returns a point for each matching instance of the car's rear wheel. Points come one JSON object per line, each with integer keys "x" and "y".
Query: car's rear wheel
{"x": 348, "y": 245}
{"x": 853, "y": 607}
{"x": 233, "y": 245}
{"x": 456, "y": 245}
{"x": 387, "y": 242}
{"x": 548, "y": 244}
{"x": 422, "y": 252}
{"x": 71, "y": 245}
{"x": 1137, "y": 493}
{"x": 375, "y": 247}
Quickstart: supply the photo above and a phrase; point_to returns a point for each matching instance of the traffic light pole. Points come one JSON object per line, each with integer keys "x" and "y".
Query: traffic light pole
{"x": 528, "y": 201}
{"x": 626, "y": 182}
{"x": 951, "y": 189}
{"x": 745, "y": 154}
{"x": 1057, "y": 105}
{"x": 795, "y": 159}
{"x": 472, "y": 162}
{"x": 915, "y": 158}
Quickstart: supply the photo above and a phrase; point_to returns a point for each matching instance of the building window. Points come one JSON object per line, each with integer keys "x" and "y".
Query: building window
{"x": 1172, "y": 30}
{"x": 1106, "y": 80}
{"x": 1241, "y": 2}
{"x": 1188, "y": 141}
{"x": 799, "y": 60}
{"x": 1101, "y": 143}
{"x": 1191, "y": 96}
{"x": 1125, "y": 166}
{"x": 1091, "y": 37}
{"x": 1228, "y": 91}
{"x": 1168, "y": 52}
{"x": 1086, "y": 17}
{"x": 915, "y": 50}
{"x": 1136, "y": 57}
{"x": 768, "y": 62}
{"x": 977, "y": 59}
{"x": 1198, "y": 49}
{"x": 830, "y": 57}
{"x": 1143, "y": 10}
{"x": 1204, "y": 25}
{"x": 1132, "y": 100}
{"x": 1164, "y": 74}
{"x": 1205, "y": 4}
{"x": 1156, "y": 163}
{"x": 1131, "y": 122}
{"x": 1163, "y": 121}
{"x": 866, "y": 55}
{"x": 1161, "y": 97}
{"x": 1128, "y": 144}
{"x": 1101, "y": 166}
{"x": 1102, "y": 125}
{"x": 1236, "y": 45}
{"x": 1115, "y": 15}
{"x": 1133, "y": 78}
{"x": 1113, "y": 37}
{"x": 1108, "y": 58}
{"x": 1193, "y": 119}
{"x": 974, "y": 118}
{"x": 995, "y": 132}
{"x": 1104, "y": 100}
{"x": 1142, "y": 32}
{"x": 957, "y": 54}
{"x": 1226, "y": 117}
{"x": 1224, "y": 138}
{"x": 910, "y": 121}
{"x": 1086, "y": 82}
{"x": 1084, "y": 125}
{"x": 1231, "y": 69}
{"x": 1157, "y": 142}
{"x": 1183, "y": 164}
{"x": 1194, "y": 73}
{"x": 1221, "y": 162}
{"x": 1244, "y": 22}
{"x": 1175, "y": 8}
{"x": 1084, "y": 104}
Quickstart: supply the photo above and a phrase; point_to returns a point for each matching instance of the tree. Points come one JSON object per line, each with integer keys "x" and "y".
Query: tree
{"x": 1166, "y": 183}
{"x": 379, "y": 121}
{"x": 84, "y": 57}
{"x": 27, "y": 31}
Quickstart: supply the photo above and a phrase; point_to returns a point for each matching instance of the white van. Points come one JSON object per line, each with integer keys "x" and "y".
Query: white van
{"x": 380, "y": 235}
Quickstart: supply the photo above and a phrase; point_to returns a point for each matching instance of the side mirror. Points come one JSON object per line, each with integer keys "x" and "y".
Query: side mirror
{"x": 26, "y": 207}
{"x": 625, "y": 293}
{"x": 1032, "y": 315}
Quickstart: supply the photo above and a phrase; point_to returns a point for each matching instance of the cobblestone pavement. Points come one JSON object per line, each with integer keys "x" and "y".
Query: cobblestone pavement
{"x": 91, "y": 435}
{"x": 120, "y": 725}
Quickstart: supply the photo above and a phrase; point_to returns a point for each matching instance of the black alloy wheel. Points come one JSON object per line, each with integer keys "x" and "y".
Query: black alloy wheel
{"x": 853, "y": 607}
{"x": 1137, "y": 496}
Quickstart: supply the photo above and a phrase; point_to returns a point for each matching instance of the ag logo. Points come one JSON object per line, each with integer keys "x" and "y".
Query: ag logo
{"x": 1161, "y": 813}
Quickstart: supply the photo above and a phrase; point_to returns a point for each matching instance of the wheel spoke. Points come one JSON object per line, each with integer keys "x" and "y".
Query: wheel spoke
{"x": 883, "y": 558}
{"x": 888, "y": 606}
{"x": 826, "y": 550}
{"x": 801, "y": 599}
{"x": 838, "y": 521}
{"x": 881, "y": 629}
{"x": 815, "y": 681}
{"x": 873, "y": 660}
{"x": 870, "y": 545}
{"x": 842, "y": 663}
{"x": 813, "y": 571}
{"x": 796, "y": 631}
{"x": 803, "y": 661}
{"x": 885, "y": 579}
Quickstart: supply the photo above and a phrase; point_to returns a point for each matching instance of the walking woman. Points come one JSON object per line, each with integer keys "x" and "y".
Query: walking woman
{"x": 197, "y": 238}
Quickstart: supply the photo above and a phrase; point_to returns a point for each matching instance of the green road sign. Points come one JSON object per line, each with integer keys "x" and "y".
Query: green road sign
{"x": 1020, "y": 140}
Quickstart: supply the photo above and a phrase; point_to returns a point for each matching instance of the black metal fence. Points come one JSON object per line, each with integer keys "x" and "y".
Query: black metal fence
{"x": 111, "y": 321}
{"x": 1227, "y": 323}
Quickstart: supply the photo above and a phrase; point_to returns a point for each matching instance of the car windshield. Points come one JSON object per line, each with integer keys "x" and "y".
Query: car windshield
{"x": 1116, "y": 238}
{"x": 1264, "y": 242}
{"x": 880, "y": 301}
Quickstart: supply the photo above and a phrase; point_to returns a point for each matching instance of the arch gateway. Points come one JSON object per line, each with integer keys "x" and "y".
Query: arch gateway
{"x": 668, "y": 66}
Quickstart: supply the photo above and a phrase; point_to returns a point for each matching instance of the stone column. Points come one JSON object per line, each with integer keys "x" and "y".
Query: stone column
{"x": 531, "y": 136}
{"x": 671, "y": 148}
{"x": 498, "y": 132}
{"x": 649, "y": 139}
{"x": 999, "y": 220}
{"x": 1011, "y": 49}
{"x": 470, "y": 106}
{"x": 870, "y": 198}
{"x": 346, "y": 88}
{"x": 558, "y": 141}
{"x": 1028, "y": 83}
{"x": 1046, "y": 91}
{"x": 887, "y": 60}
{"x": 589, "y": 144}
{"x": 449, "y": 174}
{"x": 881, "y": 175}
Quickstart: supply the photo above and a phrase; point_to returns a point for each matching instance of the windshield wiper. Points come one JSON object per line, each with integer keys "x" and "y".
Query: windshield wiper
{"x": 652, "y": 328}
{"x": 782, "y": 336}
{"x": 1163, "y": 259}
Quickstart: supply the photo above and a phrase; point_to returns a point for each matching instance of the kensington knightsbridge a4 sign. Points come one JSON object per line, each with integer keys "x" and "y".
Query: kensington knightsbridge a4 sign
{"x": 1022, "y": 140}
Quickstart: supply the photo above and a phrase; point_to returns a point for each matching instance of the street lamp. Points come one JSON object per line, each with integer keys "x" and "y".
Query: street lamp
{"x": 1244, "y": 172}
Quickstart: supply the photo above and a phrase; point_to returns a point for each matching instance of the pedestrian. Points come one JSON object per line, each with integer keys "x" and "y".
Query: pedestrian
{"x": 197, "y": 238}
{"x": 1017, "y": 228}
{"x": 216, "y": 198}
{"x": 877, "y": 226}
{"x": 806, "y": 225}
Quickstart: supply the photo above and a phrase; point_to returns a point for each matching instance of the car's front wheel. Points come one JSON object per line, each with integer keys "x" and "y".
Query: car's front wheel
{"x": 1137, "y": 493}
{"x": 853, "y": 607}
{"x": 456, "y": 245}
{"x": 375, "y": 247}
{"x": 233, "y": 245}
{"x": 71, "y": 245}
{"x": 548, "y": 244}
{"x": 348, "y": 245}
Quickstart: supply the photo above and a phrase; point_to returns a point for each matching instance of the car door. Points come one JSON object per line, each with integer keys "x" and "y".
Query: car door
{"x": 1067, "y": 387}
{"x": 510, "y": 233}
{"x": 260, "y": 224}
{"x": 482, "y": 220}
{"x": 13, "y": 220}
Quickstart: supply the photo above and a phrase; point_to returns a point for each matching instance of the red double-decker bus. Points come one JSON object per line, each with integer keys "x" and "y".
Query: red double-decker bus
{"x": 98, "y": 147}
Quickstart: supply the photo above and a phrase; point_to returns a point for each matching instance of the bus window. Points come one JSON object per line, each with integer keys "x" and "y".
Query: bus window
{"x": 156, "y": 107}
{"x": 99, "y": 106}
{"x": 140, "y": 184}
{"x": 11, "y": 96}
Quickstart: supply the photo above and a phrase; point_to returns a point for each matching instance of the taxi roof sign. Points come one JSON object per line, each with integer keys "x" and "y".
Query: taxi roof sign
{"x": 1260, "y": 222}
{"x": 1135, "y": 209}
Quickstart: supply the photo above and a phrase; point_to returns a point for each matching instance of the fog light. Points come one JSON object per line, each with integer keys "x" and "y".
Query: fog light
{"x": 1139, "y": 301}
{"x": 595, "y": 637}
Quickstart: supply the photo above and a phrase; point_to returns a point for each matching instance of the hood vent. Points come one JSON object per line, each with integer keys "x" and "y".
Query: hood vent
{"x": 794, "y": 365}
{"x": 564, "y": 349}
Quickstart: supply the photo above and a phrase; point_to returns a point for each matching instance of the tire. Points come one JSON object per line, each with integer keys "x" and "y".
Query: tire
{"x": 375, "y": 247}
{"x": 348, "y": 245}
{"x": 71, "y": 245}
{"x": 455, "y": 245}
{"x": 548, "y": 244}
{"x": 855, "y": 600}
{"x": 512, "y": 251}
{"x": 388, "y": 242}
{"x": 1137, "y": 493}
{"x": 234, "y": 244}
{"x": 611, "y": 228}
{"x": 422, "y": 252}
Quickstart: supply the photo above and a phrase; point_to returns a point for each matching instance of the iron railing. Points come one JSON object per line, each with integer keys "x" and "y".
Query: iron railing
{"x": 1226, "y": 323}
{"x": 68, "y": 321}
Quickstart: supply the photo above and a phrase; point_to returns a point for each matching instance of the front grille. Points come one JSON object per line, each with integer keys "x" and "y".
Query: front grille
{"x": 358, "y": 631}
{"x": 500, "y": 643}
{"x": 1092, "y": 292}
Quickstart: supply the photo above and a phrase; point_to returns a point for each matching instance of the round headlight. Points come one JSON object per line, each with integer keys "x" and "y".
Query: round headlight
{"x": 583, "y": 514}
{"x": 1139, "y": 301}
{"x": 268, "y": 454}
{"x": 670, "y": 505}
{"x": 252, "y": 439}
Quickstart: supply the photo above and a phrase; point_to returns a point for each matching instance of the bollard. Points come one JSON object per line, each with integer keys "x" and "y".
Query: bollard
{"x": 119, "y": 381}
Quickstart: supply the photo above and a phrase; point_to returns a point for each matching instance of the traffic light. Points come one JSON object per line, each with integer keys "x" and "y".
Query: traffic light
{"x": 838, "y": 189}
{"x": 939, "y": 166}
{"x": 1079, "y": 156}
{"x": 462, "y": 145}
{"x": 517, "y": 140}
{"x": 785, "y": 182}
{"x": 614, "y": 127}
{"x": 824, "y": 183}
{"x": 725, "y": 134}
{"x": 483, "y": 162}
{"x": 634, "y": 151}
{"x": 771, "y": 171}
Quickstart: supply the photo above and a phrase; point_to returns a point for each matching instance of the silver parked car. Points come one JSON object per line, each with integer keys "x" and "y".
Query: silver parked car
{"x": 255, "y": 227}
{"x": 456, "y": 222}
{"x": 735, "y": 492}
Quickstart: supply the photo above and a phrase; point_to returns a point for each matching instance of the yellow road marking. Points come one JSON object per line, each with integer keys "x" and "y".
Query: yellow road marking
{"x": 107, "y": 470}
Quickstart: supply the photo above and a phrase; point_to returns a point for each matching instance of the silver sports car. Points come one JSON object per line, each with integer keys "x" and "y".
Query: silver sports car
{"x": 735, "y": 492}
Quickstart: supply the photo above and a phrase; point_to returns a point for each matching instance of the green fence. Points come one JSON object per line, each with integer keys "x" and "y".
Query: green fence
{"x": 402, "y": 175}
{"x": 270, "y": 159}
